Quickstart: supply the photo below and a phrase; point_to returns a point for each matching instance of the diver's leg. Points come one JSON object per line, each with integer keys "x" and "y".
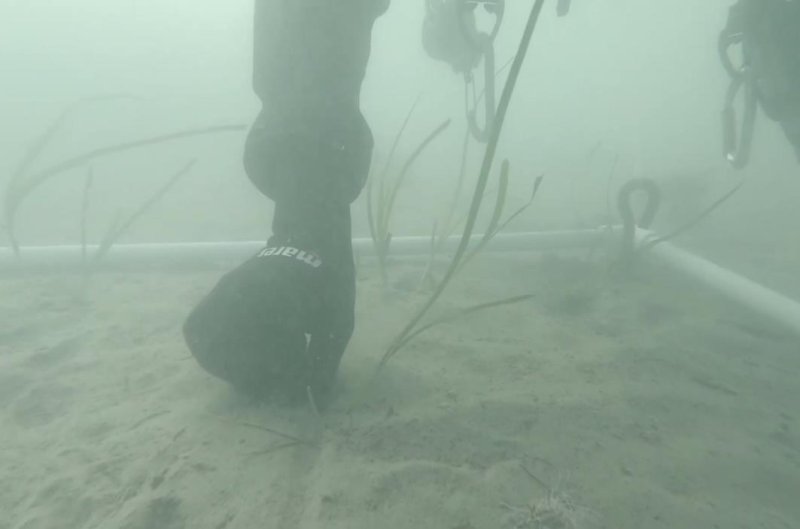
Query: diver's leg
{"x": 311, "y": 148}
{"x": 283, "y": 319}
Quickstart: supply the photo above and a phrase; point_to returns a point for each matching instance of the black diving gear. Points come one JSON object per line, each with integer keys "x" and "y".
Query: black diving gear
{"x": 769, "y": 34}
{"x": 281, "y": 321}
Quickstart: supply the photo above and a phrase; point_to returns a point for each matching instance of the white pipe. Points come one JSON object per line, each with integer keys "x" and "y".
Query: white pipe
{"x": 205, "y": 253}
{"x": 758, "y": 298}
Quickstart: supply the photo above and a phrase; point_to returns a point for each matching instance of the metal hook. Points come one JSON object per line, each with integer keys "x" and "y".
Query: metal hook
{"x": 485, "y": 43}
{"x": 737, "y": 145}
{"x": 482, "y": 134}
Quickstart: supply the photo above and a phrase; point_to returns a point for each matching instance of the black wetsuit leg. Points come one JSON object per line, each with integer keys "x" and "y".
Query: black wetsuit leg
{"x": 276, "y": 322}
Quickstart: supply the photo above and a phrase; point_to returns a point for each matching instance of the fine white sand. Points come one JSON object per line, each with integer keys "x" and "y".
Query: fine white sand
{"x": 611, "y": 404}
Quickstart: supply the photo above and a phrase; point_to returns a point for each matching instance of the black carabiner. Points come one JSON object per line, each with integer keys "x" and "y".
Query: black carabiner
{"x": 726, "y": 40}
{"x": 737, "y": 146}
{"x": 737, "y": 142}
{"x": 484, "y": 42}
{"x": 482, "y": 134}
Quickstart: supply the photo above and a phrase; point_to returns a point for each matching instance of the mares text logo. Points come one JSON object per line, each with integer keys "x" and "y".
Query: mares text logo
{"x": 293, "y": 253}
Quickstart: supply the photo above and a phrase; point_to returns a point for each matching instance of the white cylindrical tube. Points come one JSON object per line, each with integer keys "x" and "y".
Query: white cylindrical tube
{"x": 758, "y": 298}
{"x": 205, "y": 253}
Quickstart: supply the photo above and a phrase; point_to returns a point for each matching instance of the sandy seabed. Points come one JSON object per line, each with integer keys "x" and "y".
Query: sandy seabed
{"x": 599, "y": 403}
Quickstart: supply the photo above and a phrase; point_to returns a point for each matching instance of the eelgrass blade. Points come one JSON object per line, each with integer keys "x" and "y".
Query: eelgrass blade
{"x": 500, "y": 201}
{"x": 523, "y": 208}
{"x": 120, "y": 228}
{"x": 428, "y": 274}
{"x": 18, "y": 177}
{"x": 398, "y": 137}
{"x": 16, "y": 195}
{"x": 609, "y": 181}
{"x": 491, "y": 230}
{"x": 480, "y": 187}
{"x": 371, "y": 215}
{"x": 395, "y": 189}
{"x": 41, "y": 143}
{"x": 695, "y": 221}
{"x": 87, "y": 187}
{"x": 463, "y": 312}
{"x": 449, "y": 225}
{"x": 378, "y": 225}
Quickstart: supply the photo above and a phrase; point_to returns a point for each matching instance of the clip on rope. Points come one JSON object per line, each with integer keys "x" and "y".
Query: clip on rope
{"x": 737, "y": 143}
{"x": 484, "y": 44}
